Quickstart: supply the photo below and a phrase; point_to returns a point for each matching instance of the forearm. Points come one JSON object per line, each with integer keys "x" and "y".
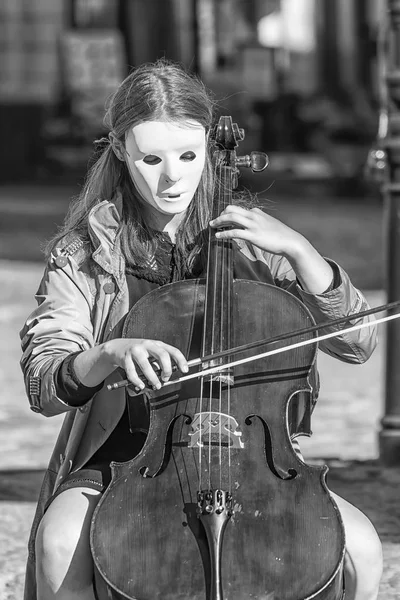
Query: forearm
{"x": 93, "y": 366}
{"x": 342, "y": 300}
{"x": 312, "y": 270}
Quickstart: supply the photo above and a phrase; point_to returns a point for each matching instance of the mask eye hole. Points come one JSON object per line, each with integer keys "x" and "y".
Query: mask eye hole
{"x": 188, "y": 156}
{"x": 152, "y": 159}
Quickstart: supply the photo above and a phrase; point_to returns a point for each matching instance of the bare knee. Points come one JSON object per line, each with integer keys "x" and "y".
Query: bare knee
{"x": 57, "y": 543}
{"x": 363, "y": 545}
{"x": 364, "y": 560}
{"x": 62, "y": 543}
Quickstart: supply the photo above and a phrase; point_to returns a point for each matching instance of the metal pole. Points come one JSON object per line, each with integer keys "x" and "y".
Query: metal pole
{"x": 389, "y": 437}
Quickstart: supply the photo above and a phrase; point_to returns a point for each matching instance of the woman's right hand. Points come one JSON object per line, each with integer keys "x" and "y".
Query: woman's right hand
{"x": 130, "y": 354}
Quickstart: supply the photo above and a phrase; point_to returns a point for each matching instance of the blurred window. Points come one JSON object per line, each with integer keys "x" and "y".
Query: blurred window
{"x": 292, "y": 27}
{"x": 95, "y": 13}
{"x": 94, "y": 62}
{"x": 29, "y": 68}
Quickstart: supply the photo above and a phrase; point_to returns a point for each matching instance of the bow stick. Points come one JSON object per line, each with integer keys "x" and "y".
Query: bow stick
{"x": 282, "y": 337}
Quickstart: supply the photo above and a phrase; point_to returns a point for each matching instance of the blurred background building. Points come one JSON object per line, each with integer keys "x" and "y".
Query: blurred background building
{"x": 299, "y": 75}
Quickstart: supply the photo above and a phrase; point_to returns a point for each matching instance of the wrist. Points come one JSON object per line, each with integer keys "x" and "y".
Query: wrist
{"x": 312, "y": 271}
{"x": 107, "y": 354}
{"x": 299, "y": 250}
{"x": 93, "y": 366}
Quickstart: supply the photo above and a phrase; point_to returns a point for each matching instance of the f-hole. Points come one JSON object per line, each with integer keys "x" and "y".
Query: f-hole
{"x": 275, "y": 469}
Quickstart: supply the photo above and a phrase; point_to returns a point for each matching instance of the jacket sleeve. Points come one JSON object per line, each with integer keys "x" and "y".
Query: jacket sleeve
{"x": 60, "y": 325}
{"x": 342, "y": 300}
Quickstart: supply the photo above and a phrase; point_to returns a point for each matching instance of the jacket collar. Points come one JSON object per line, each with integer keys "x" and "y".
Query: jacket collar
{"x": 104, "y": 220}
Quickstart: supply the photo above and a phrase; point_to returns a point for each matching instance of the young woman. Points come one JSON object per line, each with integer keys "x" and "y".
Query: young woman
{"x": 141, "y": 221}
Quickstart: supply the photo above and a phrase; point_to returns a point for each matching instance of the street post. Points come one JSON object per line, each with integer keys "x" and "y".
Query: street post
{"x": 389, "y": 436}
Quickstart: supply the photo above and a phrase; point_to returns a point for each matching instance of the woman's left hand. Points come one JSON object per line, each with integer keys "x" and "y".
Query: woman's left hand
{"x": 271, "y": 235}
{"x": 260, "y": 229}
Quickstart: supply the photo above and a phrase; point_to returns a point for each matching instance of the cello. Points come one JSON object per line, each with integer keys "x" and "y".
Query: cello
{"x": 218, "y": 505}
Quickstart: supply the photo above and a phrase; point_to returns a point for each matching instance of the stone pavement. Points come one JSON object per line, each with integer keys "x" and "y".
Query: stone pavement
{"x": 346, "y": 423}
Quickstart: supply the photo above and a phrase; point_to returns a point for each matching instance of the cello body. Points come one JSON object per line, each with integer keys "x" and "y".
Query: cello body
{"x": 217, "y": 505}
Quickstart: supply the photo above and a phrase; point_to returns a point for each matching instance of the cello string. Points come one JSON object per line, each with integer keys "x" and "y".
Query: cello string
{"x": 220, "y": 273}
{"x": 224, "y": 343}
{"x": 315, "y": 340}
{"x": 220, "y": 434}
{"x": 225, "y": 326}
{"x": 200, "y": 438}
{"x": 221, "y": 326}
{"x": 212, "y": 256}
{"x": 231, "y": 382}
{"x": 215, "y": 256}
{"x": 203, "y": 349}
{"x": 229, "y": 271}
{"x": 209, "y": 432}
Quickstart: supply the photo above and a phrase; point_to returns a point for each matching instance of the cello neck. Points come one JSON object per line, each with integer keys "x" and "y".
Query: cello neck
{"x": 218, "y": 328}
{"x": 217, "y": 333}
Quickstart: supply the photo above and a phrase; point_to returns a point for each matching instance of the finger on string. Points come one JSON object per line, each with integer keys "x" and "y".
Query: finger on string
{"x": 242, "y": 234}
{"x": 230, "y": 224}
{"x": 231, "y": 219}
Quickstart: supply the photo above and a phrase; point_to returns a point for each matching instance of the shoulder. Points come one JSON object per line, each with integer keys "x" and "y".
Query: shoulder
{"x": 74, "y": 246}
{"x": 71, "y": 257}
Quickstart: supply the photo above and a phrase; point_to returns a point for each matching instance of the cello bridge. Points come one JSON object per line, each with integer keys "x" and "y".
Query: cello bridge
{"x": 215, "y": 429}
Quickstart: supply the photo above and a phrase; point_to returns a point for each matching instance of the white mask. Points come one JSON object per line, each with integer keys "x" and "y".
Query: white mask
{"x": 166, "y": 161}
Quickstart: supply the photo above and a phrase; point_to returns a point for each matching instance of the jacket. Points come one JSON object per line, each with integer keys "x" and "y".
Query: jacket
{"x": 81, "y": 299}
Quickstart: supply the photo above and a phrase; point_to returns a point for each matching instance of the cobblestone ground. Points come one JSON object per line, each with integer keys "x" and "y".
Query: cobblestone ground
{"x": 345, "y": 427}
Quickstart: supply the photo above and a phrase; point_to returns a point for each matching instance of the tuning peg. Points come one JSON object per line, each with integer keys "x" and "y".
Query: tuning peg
{"x": 238, "y": 132}
{"x": 257, "y": 161}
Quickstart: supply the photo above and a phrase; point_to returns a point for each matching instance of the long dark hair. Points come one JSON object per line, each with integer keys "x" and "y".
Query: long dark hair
{"x": 161, "y": 91}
